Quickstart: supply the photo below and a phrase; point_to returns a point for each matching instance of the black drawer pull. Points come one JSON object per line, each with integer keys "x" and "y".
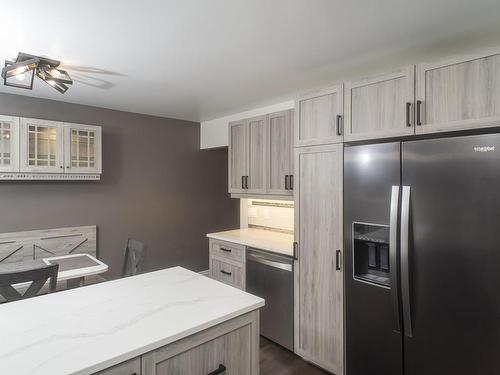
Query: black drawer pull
{"x": 226, "y": 250}
{"x": 226, "y": 273}
{"x": 220, "y": 370}
{"x": 408, "y": 114}
{"x": 242, "y": 182}
{"x": 340, "y": 127}
{"x": 290, "y": 187}
{"x": 419, "y": 112}
{"x": 337, "y": 260}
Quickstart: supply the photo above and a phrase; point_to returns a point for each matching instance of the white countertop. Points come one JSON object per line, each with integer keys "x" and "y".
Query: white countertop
{"x": 74, "y": 273}
{"x": 84, "y": 330}
{"x": 276, "y": 242}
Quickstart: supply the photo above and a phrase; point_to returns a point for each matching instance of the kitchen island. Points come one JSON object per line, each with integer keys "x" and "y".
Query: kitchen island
{"x": 171, "y": 321}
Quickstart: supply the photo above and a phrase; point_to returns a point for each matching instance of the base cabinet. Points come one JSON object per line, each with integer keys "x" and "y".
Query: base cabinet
{"x": 319, "y": 326}
{"x": 230, "y": 348}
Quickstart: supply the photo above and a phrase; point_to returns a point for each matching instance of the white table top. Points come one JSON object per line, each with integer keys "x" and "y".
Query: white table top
{"x": 275, "y": 242}
{"x": 84, "y": 330}
{"x": 74, "y": 273}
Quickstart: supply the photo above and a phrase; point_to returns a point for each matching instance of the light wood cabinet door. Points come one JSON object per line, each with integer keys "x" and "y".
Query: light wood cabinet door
{"x": 238, "y": 154}
{"x": 317, "y": 119}
{"x": 9, "y": 144}
{"x": 380, "y": 106}
{"x": 319, "y": 333}
{"x": 232, "y": 346}
{"x": 42, "y": 146}
{"x": 459, "y": 93}
{"x": 132, "y": 367}
{"x": 280, "y": 153}
{"x": 82, "y": 148}
{"x": 257, "y": 152}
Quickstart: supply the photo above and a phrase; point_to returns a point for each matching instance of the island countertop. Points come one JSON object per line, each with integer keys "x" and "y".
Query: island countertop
{"x": 84, "y": 330}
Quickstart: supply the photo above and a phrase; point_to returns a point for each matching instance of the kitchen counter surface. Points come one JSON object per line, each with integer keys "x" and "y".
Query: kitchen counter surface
{"x": 84, "y": 330}
{"x": 275, "y": 242}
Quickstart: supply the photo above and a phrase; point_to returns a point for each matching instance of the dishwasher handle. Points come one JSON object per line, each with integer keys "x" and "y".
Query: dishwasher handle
{"x": 262, "y": 260}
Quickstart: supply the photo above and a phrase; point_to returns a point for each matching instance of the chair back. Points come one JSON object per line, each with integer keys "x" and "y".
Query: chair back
{"x": 23, "y": 273}
{"x": 134, "y": 257}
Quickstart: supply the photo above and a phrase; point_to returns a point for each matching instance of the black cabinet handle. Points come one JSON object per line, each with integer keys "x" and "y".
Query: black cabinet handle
{"x": 295, "y": 251}
{"x": 242, "y": 182}
{"x": 287, "y": 186}
{"x": 246, "y": 182}
{"x": 340, "y": 127}
{"x": 219, "y": 370}
{"x": 291, "y": 182}
{"x": 337, "y": 260}
{"x": 419, "y": 112}
{"x": 226, "y": 250}
{"x": 408, "y": 114}
{"x": 226, "y": 273}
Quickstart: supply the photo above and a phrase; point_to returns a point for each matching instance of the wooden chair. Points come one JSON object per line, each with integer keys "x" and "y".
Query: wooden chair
{"x": 134, "y": 257}
{"x": 17, "y": 273}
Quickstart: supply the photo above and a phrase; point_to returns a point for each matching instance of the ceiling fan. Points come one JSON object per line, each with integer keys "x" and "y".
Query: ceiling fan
{"x": 20, "y": 73}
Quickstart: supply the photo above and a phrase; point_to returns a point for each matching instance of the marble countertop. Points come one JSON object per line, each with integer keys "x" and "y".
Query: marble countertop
{"x": 84, "y": 330}
{"x": 281, "y": 243}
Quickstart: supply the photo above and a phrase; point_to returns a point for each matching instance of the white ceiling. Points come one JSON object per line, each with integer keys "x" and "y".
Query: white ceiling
{"x": 202, "y": 59}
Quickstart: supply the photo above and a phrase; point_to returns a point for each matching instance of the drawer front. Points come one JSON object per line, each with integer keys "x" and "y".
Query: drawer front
{"x": 227, "y": 250}
{"x": 232, "y": 352}
{"x": 228, "y": 273}
{"x": 132, "y": 367}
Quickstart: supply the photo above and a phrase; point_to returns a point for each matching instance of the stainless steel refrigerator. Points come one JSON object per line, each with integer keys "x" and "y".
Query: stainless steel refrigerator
{"x": 422, "y": 241}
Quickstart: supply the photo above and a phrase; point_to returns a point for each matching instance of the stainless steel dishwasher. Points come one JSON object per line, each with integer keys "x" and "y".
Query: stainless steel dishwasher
{"x": 270, "y": 276}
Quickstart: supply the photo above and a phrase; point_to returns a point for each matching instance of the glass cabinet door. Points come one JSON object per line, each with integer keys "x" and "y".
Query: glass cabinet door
{"x": 9, "y": 144}
{"x": 42, "y": 151}
{"x": 82, "y": 149}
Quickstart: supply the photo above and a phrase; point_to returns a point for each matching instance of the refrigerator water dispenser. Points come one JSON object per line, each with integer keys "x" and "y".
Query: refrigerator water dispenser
{"x": 371, "y": 253}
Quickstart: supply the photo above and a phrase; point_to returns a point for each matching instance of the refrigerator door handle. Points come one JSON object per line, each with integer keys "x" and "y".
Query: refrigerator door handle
{"x": 405, "y": 265}
{"x": 393, "y": 258}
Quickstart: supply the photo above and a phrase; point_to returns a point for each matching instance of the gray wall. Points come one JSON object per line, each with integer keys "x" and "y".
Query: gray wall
{"x": 156, "y": 186}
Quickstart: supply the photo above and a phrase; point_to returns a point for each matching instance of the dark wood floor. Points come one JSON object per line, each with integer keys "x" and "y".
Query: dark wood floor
{"x": 276, "y": 360}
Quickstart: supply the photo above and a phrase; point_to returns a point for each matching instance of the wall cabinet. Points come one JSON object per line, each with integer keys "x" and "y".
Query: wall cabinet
{"x": 319, "y": 117}
{"x": 9, "y": 144}
{"x": 319, "y": 332}
{"x": 381, "y": 106}
{"x": 280, "y": 158}
{"x": 459, "y": 93}
{"x": 260, "y": 155}
{"x": 41, "y": 149}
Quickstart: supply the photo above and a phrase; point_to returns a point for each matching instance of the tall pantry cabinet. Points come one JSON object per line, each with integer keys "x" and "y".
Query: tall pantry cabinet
{"x": 319, "y": 327}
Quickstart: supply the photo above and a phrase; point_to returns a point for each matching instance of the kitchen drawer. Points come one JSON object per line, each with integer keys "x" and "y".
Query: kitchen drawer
{"x": 228, "y": 272}
{"x": 132, "y": 367}
{"x": 227, "y": 250}
{"x": 231, "y": 351}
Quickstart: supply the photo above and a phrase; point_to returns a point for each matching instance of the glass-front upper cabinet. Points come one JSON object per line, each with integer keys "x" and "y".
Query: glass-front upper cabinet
{"x": 9, "y": 144}
{"x": 41, "y": 146}
{"x": 82, "y": 148}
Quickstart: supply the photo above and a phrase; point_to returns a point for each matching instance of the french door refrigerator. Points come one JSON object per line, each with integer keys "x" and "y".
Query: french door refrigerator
{"x": 422, "y": 240}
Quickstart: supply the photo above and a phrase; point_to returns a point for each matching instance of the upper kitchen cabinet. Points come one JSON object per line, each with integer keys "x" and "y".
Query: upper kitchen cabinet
{"x": 459, "y": 93}
{"x": 280, "y": 146}
{"x": 82, "y": 145}
{"x": 260, "y": 156}
{"x": 42, "y": 146}
{"x": 238, "y": 155}
{"x": 319, "y": 117}
{"x": 380, "y": 106}
{"x": 257, "y": 150}
{"x": 9, "y": 144}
